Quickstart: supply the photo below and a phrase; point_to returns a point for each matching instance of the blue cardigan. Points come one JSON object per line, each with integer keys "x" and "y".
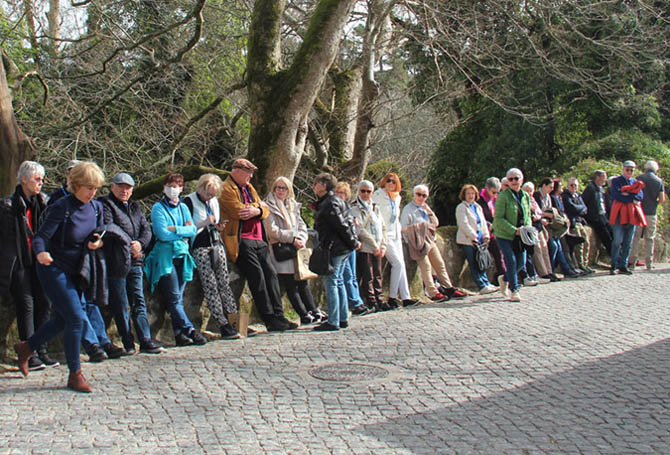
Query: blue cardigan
{"x": 170, "y": 245}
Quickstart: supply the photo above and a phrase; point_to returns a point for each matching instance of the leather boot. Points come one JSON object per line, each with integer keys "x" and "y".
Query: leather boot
{"x": 78, "y": 383}
{"x": 24, "y": 352}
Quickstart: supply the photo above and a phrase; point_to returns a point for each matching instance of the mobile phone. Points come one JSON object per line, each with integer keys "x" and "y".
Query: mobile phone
{"x": 102, "y": 234}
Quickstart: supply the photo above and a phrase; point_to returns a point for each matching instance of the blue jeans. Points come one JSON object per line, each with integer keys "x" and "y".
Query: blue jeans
{"x": 68, "y": 314}
{"x": 622, "y": 242}
{"x": 478, "y": 276}
{"x": 556, "y": 255}
{"x": 130, "y": 291}
{"x": 513, "y": 261}
{"x": 336, "y": 294}
{"x": 350, "y": 281}
{"x": 172, "y": 287}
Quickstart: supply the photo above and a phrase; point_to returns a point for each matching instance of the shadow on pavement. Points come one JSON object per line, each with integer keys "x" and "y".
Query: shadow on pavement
{"x": 605, "y": 406}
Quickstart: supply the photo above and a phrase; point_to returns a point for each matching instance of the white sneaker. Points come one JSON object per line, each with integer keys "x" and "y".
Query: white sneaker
{"x": 543, "y": 280}
{"x": 515, "y": 296}
{"x": 530, "y": 281}
{"x": 503, "y": 286}
{"x": 488, "y": 289}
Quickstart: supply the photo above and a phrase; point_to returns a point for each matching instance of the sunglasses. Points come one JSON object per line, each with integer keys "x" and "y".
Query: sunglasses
{"x": 420, "y": 194}
{"x": 365, "y": 191}
{"x": 573, "y": 185}
{"x": 390, "y": 181}
{"x": 494, "y": 192}
{"x": 283, "y": 188}
{"x": 513, "y": 179}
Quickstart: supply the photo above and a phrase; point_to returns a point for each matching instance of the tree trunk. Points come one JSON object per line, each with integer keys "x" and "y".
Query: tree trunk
{"x": 280, "y": 102}
{"x": 342, "y": 125}
{"x": 53, "y": 15}
{"x": 15, "y": 146}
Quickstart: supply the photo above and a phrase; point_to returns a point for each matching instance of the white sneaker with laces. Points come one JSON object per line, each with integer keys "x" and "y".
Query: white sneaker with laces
{"x": 543, "y": 280}
{"x": 488, "y": 289}
{"x": 530, "y": 282}
{"x": 515, "y": 296}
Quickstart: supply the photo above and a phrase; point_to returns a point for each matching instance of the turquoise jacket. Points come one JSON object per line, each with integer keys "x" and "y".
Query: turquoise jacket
{"x": 169, "y": 245}
{"x": 507, "y": 209}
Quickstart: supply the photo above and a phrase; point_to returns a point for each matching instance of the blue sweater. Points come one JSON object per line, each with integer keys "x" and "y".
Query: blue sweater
{"x": 66, "y": 240}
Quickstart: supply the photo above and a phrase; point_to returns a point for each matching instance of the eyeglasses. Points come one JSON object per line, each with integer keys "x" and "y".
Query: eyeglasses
{"x": 283, "y": 188}
{"x": 494, "y": 191}
{"x": 420, "y": 194}
{"x": 365, "y": 191}
{"x": 573, "y": 185}
{"x": 628, "y": 169}
{"x": 513, "y": 179}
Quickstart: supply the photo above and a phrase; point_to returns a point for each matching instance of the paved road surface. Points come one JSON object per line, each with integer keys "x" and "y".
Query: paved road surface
{"x": 578, "y": 367}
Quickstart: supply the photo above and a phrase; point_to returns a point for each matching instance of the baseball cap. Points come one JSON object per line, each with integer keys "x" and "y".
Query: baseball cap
{"x": 629, "y": 163}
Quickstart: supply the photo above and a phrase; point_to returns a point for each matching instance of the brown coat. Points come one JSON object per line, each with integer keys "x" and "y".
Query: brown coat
{"x": 231, "y": 202}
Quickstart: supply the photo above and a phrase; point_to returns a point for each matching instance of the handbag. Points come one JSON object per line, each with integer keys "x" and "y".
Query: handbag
{"x": 319, "y": 262}
{"x": 483, "y": 257}
{"x": 302, "y": 271}
{"x": 284, "y": 251}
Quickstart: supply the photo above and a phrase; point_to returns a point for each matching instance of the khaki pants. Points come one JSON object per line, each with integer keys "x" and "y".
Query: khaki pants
{"x": 581, "y": 251}
{"x": 541, "y": 257}
{"x": 434, "y": 259}
{"x": 643, "y": 242}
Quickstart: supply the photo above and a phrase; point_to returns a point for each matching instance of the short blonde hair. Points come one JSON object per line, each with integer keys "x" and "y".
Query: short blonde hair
{"x": 469, "y": 186}
{"x": 207, "y": 181}
{"x": 287, "y": 183}
{"x": 344, "y": 186}
{"x": 85, "y": 173}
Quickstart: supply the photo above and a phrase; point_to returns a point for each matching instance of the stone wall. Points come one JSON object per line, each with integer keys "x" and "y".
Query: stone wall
{"x": 197, "y": 312}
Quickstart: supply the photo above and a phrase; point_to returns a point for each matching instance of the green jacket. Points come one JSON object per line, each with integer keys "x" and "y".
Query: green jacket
{"x": 507, "y": 208}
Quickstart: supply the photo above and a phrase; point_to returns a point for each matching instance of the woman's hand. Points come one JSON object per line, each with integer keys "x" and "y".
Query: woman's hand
{"x": 95, "y": 245}
{"x": 298, "y": 243}
{"x": 44, "y": 258}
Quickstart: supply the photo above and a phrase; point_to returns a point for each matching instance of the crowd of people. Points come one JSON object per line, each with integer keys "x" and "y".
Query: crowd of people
{"x": 71, "y": 254}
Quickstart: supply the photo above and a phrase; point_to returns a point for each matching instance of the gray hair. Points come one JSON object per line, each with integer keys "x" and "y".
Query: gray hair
{"x": 29, "y": 169}
{"x": 421, "y": 186}
{"x": 367, "y": 184}
{"x": 514, "y": 171}
{"x": 529, "y": 186}
{"x": 493, "y": 183}
{"x": 573, "y": 179}
{"x": 651, "y": 165}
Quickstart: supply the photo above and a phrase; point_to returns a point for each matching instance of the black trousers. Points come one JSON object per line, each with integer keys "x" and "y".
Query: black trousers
{"x": 497, "y": 256}
{"x": 298, "y": 294}
{"x": 32, "y": 305}
{"x": 604, "y": 232}
{"x": 369, "y": 271}
{"x": 254, "y": 263}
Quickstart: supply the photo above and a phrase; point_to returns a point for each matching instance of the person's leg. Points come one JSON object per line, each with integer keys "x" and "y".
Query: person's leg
{"x": 118, "y": 303}
{"x": 650, "y": 237}
{"x": 497, "y": 256}
{"x": 436, "y": 261}
{"x": 20, "y": 290}
{"x": 617, "y": 239}
{"x": 561, "y": 260}
{"x": 541, "y": 256}
{"x": 628, "y": 233}
{"x": 583, "y": 249}
{"x": 350, "y": 284}
{"x": 334, "y": 290}
{"x": 210, "y": 286}
{"x": 250, "y": 267}
{"x": 635, "y": 247}
{"x": 604, "y": 233}
{"x": 68, "y": 314}
{"x": 364, "y": 272}
{"x": 138, "y": 306}
{"x": 97, "y": 322}
{"x": 287, "y": 281}
{"x": 476, "y": 274}
{"x": 271, "y": 280}
{"x": 398, "y": 286}
{"x": 376, "y": 279}
{"x": 223, "y": 280}
{"x": 553, "y": 252}
{"x": 510, "y": 262}
{"x": 305, "y": 295}
{"x": 425, "y": 271}
{"x": 172, "y": 288}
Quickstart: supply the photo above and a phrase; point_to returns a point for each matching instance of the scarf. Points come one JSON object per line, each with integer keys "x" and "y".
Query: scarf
{"x": 286, "y": 209}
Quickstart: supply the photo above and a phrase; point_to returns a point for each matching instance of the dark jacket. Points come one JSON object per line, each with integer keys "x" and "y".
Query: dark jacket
{"x": 575, "y": 208}
{"x": 130, "y": 220}
{"x": 57, "y": 194}
{"x": 15, "y": 252}
{"x": 330, "y": 222}
{"x": 596, "y": 208}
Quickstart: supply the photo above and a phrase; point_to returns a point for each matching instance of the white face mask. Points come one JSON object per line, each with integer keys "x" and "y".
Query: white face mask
{"x": 172, "y": 192}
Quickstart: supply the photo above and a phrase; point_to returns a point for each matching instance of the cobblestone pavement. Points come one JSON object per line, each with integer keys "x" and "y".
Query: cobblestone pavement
{"x": 579, "y": 366}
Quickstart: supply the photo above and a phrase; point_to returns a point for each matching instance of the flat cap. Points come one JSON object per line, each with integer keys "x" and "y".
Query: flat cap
{"x": 629, "y": 163}
{"x": 242, "y": 163}
{"x": 123, "y": 177}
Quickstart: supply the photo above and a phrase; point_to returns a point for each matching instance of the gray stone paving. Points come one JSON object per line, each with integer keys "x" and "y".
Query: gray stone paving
{"x": 578, "y": 367}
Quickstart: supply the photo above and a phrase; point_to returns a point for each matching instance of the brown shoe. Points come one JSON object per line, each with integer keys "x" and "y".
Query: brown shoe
{"x": 22, "y": 348}
{"x": 78, "y": 383}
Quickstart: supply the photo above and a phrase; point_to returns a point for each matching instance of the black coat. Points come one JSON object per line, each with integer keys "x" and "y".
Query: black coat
{"x": 130, "y": 220}
{"x": 334, "y": 229}
{"x": 14, "y": 230}
{"x": 575, "y": 208}
{"x": 594, "y": 198}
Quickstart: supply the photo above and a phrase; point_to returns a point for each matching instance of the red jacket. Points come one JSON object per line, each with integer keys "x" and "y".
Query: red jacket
{"x": 628, "y": 212}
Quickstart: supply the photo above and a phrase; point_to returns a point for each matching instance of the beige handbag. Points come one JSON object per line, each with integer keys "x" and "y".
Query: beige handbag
{"x": 302, "y": 271}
